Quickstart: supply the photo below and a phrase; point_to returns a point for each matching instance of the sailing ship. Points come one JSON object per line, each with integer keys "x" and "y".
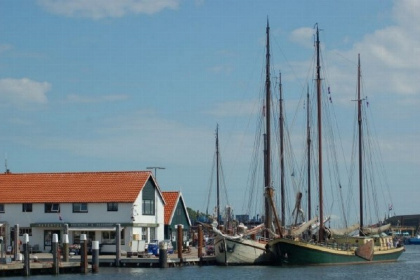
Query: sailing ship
{"x": 247, "y": 247}
{"x": 335, "y": 246}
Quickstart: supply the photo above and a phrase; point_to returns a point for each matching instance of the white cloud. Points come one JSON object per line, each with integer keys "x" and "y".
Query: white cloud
{"x": 75, "y": 98}
{"x": 388, "y": 58}
{"x": 234, "y": 108}
{"x": 226, "y": 69}
{"x": 97, "y": 9}
{"x": 5, "y": 47}
{"x": 138, "y": 136}
{"x": 23, "y": 91}
{"x": 303, "y": 36}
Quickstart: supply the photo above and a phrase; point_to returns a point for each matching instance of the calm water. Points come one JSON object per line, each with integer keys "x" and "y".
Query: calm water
{"x": 408, "y": 267}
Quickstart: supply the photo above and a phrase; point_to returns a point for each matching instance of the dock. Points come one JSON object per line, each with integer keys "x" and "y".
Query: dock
{"x": 42, "y": 263}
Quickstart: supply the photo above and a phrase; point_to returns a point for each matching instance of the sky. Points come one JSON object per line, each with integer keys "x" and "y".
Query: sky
{"x": 104, "y": 85}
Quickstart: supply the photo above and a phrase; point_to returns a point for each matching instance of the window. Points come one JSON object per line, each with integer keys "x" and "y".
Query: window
{"x": 144, "y": 234}
{"x": 108, "y": 237}
{"x": 152, "y": 233}
{"x": 148, "y": 207}
{"x": 80, "y": 208}
{"x": 1, "y": 208}
{"x": 22, "y": 231}
{"x": 52, "y": 208}
{"x": 112, "y": 206}
{"x": 26, "y": 207}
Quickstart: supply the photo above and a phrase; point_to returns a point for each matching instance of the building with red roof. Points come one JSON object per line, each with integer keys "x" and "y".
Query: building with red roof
{"x": 73, "y": 203}
{"x": 176, "y": 214}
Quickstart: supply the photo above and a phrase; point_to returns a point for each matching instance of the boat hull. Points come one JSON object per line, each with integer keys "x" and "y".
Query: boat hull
{"x": 413, "y": 241}
{"x": 302, "y": 253}
{"x": 240, "y": 252}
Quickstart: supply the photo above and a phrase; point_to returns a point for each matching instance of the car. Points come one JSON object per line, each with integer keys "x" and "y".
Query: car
{"x": 153, "y": 247}
{"x": 210, "y": 246}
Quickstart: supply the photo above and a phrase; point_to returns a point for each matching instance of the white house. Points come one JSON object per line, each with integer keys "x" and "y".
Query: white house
{"x": 93, "y": 203}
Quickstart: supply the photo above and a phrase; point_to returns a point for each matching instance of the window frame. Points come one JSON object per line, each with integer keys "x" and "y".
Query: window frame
{"x": 112, "y": 207}
{"x": 52, "y": 208}
{"x": 27, "y": 207}
{"x": 148, "y": 207}
{"x": 80, "y": 207}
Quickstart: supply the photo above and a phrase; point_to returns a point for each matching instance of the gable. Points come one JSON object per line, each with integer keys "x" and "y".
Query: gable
{"x": 175, "y": 209}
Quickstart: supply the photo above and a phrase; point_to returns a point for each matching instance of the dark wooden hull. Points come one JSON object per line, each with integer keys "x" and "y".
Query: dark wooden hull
{"x": 302, "y": 253}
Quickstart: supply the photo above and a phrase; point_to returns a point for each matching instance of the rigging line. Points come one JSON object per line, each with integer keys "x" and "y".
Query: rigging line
{"x": 211, "y": 183}
{"x": 223, "y": 179}
{"x": 336, "y": 160}
{"x": 255, "y": 109}
{"x": 382, "y": 175}
{"x": 352, "y": 169}
{"x": 255, "y": 162}
{"x": 288, "y": 62}
{"x": 251, "y": 176}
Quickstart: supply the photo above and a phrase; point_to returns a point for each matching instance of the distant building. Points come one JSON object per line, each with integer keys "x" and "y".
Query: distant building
{"x": 405, "y": 223}
{"x": 242, "y": 218}
{"x": 176, "y": 214}
{"x": 90, "y": 203}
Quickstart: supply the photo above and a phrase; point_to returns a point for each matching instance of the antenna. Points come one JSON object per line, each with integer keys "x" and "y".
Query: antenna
{"x": 5, "y": 163}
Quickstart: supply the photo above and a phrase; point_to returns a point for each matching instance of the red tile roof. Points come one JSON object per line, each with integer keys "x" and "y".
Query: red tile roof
{"x": 171, "y": 199}
{"x": 72, "y": 187}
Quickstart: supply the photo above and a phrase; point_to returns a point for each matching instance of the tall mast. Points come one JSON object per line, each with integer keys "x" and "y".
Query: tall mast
{"x": 282, "y": 185}
{"x": 217, "y": 175}
{"x": 308, "y": 141}
{"x": 359, "y": 110}
{"x": 318, "y": 86}
{"x": 267, "y": 136}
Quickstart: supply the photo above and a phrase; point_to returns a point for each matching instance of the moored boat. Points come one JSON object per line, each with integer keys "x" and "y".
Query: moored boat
{"x": 245, "y": 248}
{"x": 331, "y": 247}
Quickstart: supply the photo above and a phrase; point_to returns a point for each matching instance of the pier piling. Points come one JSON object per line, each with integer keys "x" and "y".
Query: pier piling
{"x": 26, "y": 266}
{"x": 56, "y": 256}
{"x": 66, "y": 249}
{"x": 200, "y": 242}
{"x": 163, "y": 254}
{"x": 95, "y": 256}
{"x": 118, "y": 245}
{"x": 179, "y": 241}
{"x": 16, "y": 242}
{"x": 83, "y": 254}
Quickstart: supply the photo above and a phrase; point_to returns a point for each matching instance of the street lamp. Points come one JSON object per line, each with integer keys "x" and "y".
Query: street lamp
{"x": 155, "y": 167}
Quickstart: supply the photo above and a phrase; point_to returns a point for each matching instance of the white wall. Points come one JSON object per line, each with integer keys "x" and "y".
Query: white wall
{"x": 97, "y": 213}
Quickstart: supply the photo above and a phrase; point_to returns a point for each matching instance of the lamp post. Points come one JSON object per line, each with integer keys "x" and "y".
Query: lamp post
{"x": 155, "y": 167}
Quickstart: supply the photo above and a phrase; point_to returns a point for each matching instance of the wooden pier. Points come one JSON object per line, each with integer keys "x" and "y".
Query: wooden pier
{"x": 42, "y": 263}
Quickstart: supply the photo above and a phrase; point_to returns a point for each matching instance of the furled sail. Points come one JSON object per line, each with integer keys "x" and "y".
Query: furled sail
{"x": 376, "y": 230}
{"x": 343, "y": 231}
{"x": 303, "y": 227}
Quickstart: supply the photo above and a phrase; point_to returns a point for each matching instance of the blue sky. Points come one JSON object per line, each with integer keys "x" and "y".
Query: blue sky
{"x": 105, "y": 85}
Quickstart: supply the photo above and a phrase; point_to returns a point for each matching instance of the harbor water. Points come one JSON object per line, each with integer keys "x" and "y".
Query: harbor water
{"x": 407, "y": 267}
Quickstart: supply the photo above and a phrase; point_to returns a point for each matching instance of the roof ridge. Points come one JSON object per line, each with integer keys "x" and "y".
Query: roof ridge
{"x": 76, "y": 172}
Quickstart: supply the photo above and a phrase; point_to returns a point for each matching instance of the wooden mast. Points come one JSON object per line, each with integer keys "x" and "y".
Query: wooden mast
{"x": 282, "y": 184}
{"x": 308, "y": 142}
{"x": 359, "y": 110}
{"x": 217, "y": 176}
{"x": 267, "y": 143}
{"x": 319, "y": 100}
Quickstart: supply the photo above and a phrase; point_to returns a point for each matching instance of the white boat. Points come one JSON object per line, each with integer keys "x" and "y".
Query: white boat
{"x": 244, "y": 247}
{"x": 241, "y": 249}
